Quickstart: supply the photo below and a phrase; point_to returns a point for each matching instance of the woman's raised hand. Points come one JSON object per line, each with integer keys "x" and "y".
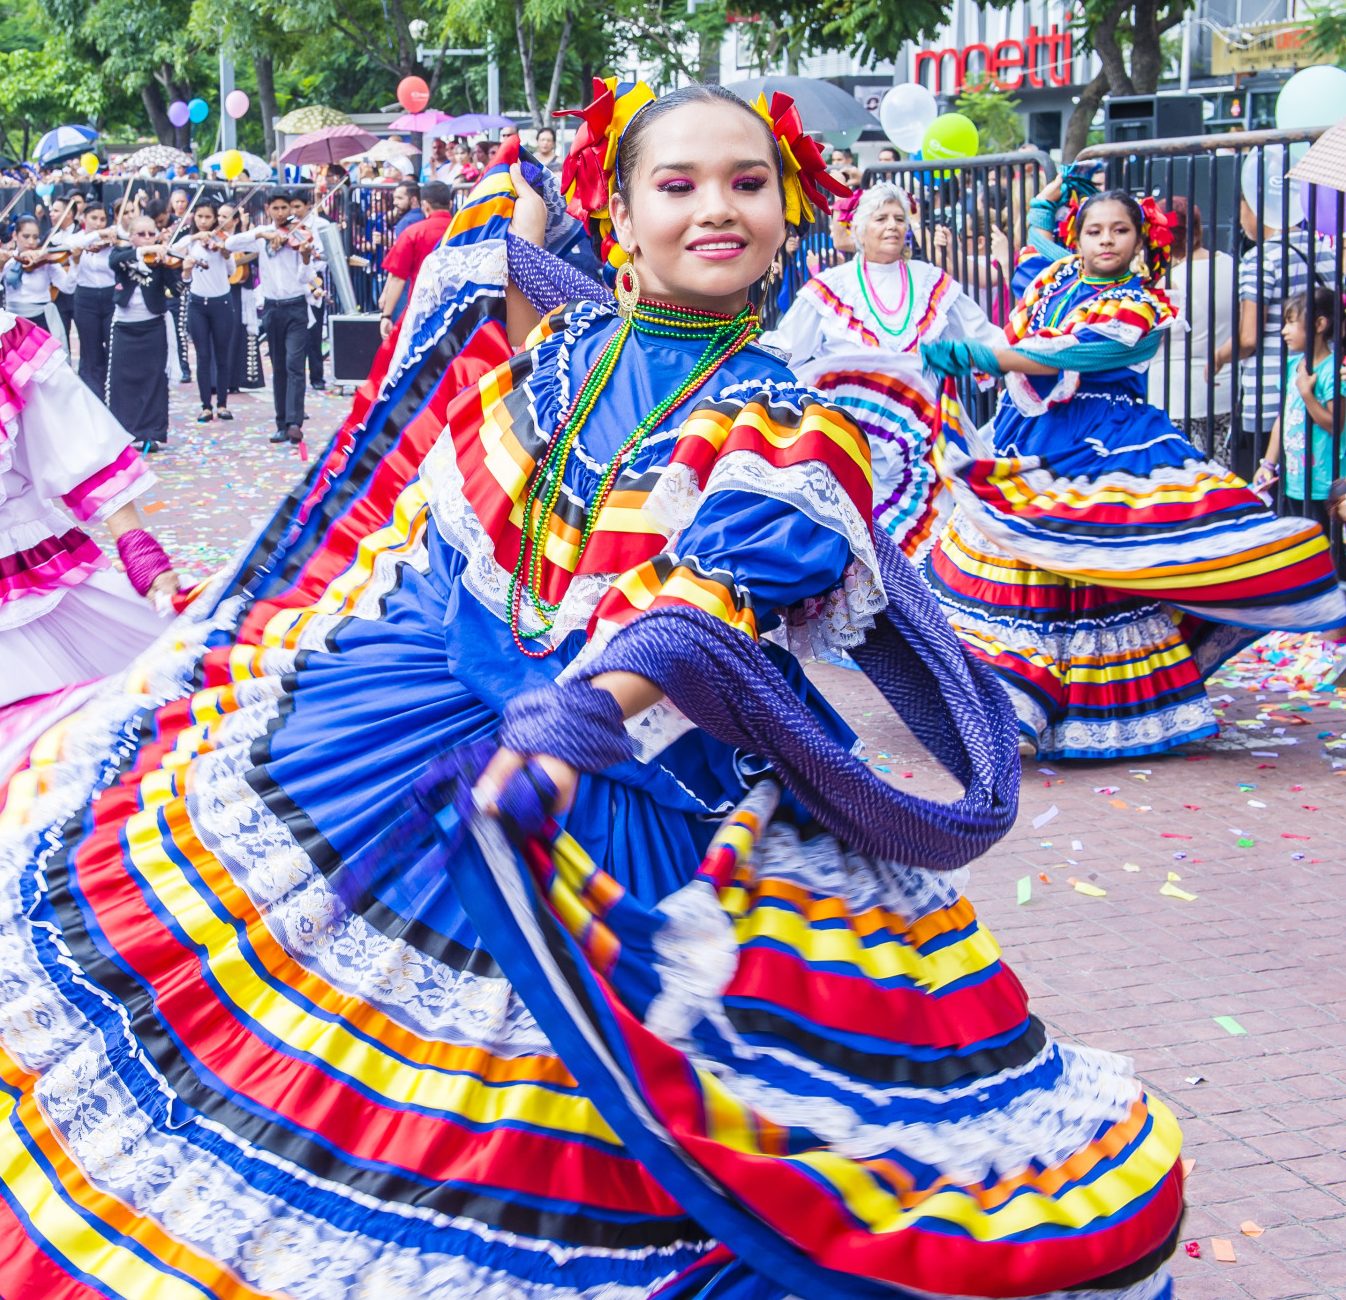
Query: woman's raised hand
{"x": 530, "y": 213}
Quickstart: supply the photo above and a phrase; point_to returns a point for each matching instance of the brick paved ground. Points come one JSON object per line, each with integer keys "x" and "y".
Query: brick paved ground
{"x": 1133, "y": 971}
{"x": 1146, "y": 975}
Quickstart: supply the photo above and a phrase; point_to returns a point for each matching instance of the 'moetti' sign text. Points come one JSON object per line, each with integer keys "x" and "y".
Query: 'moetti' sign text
{"x": 1044, "y": 59}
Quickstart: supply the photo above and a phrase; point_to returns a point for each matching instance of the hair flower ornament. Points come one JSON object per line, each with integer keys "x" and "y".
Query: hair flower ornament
{"x": 1157, "y": 235}
{"x": 804, "y": 173}
{"x": 590, "y": 168}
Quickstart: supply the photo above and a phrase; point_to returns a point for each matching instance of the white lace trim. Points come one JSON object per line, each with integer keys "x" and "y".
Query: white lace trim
{"x": 446, "y": 270}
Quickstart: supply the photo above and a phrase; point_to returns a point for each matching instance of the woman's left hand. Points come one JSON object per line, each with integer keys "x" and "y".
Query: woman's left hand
{"x": 530, "y": 212}
{"x": 163, "y": 588}
{"x": 506, "y": 764}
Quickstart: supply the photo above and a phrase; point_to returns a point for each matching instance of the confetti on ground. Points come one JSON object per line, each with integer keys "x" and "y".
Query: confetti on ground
{"x": 1230, "y": 1025}
{"x": 1042, "y": 819}
{"x": 1130, "y": 866}
{"x": 1192, "y": 1080}
{"x": 1193, "y": 1248}
{"x": 1170, "y": 890}
{"x": 1250, "y": 1228}
{"x": 1025, "y": 889}
{"x": 1223, "y": 1250}
{"x": 1084, "y": 887}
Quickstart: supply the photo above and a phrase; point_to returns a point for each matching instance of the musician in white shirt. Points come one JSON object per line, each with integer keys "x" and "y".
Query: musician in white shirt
{"x": 206, "y": 266}
{"x": 318, "y": 287}
{"x": 94, "y": 281}
{"x": 287, "y": 252}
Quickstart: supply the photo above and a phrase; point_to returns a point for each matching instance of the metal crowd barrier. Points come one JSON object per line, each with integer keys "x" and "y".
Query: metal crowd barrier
{"x": 961, "y": 209}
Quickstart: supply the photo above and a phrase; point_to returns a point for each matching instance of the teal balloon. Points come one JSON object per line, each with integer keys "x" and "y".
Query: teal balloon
{"x": 198, "y": 110}
{"x": 951, "y": 135}
{"x": 1312, "y": 97}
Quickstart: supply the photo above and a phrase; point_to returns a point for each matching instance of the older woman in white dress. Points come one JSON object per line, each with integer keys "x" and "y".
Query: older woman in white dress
{"x": 855, "y": 333}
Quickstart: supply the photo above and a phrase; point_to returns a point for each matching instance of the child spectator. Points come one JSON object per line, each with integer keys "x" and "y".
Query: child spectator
{"x": 1308, "y": 432}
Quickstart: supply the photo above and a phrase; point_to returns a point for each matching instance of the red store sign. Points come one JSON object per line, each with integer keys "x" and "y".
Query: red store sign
{"x": 1044, "y": 59}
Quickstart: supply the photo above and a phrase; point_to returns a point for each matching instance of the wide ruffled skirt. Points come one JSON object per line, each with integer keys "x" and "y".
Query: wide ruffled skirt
{"x": 268, "y": 1027}
{"x": 895, "y": 405}
{"x": 1104, "y": 568}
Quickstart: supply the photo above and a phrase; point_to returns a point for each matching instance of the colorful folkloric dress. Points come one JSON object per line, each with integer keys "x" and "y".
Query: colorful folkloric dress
{"x": 274, "y": 1021}
{"x": 1099, "y": 562}
{"x": 854, "y": 334}
{"x": 66, "y": 616}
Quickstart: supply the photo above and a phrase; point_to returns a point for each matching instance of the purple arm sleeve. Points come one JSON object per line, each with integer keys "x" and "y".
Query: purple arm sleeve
{"x": 545, "y": 280}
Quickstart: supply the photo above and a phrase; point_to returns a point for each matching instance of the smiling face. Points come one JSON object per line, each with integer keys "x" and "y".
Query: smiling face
{"x": 702, "y": 216}
{"x": 1108, "y": 238}
{"x": 885, "y": 234}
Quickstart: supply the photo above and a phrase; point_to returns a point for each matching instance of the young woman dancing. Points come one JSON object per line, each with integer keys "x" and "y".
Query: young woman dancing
{"x": 1099, "y": 562}
{"x": 671, "y": 997}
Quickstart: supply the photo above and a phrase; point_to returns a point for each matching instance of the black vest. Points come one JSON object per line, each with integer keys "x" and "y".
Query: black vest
{"x": 152, "y": 281}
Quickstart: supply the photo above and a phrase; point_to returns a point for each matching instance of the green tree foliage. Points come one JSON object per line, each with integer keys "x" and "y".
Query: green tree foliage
{"x": 1128, "y": 36}
{"x": 995, "y": 111}
{"x": 1327, "y": 31}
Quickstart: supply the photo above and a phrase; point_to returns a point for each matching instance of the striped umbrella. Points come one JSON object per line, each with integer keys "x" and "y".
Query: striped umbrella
{"x": 63, "y": 142}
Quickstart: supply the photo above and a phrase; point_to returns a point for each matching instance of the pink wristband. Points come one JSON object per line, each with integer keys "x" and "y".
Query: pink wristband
{"x": 143, "y": 557}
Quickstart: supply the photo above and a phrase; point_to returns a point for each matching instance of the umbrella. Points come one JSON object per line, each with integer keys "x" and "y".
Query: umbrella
{"x": 328, "y": 145}
{"x": 157, "y": 155}
{"x": 384, "y": 151}
{"x": 1325, "y": 162}
{"x": 255, "y": 168}
{"x": 312, "y": 117}
{"x": 421, "y": 121}
{"x": 469, "y": 124}
{"x": 64, "y": 142}
{"x": 825, "y": 108}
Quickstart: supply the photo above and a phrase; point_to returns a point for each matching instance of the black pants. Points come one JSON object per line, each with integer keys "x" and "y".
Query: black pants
{"x": 93, "y": 324}
{"x": 210, "y": 323}
{"x": 287, "y": 341}
{"x": 315, "y": 375}
{"x": 65, "y": 309}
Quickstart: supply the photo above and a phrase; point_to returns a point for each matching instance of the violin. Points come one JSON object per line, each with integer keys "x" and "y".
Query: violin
{"x": 32, "y": 258}
{"x": 155, "y": 255}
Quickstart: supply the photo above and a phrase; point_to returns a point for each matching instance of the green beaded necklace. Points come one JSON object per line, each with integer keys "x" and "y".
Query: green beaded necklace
{"x": 725, "y": 336}
{"x": 862, "y": 275}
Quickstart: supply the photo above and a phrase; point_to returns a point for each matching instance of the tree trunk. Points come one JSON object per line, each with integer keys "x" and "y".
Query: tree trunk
{"x": 1147, "y": 55}
{"x": 524, "y": 40}
{"x": 1077, "y": 128}
{"x": 558, "y": 68}
{"x": 153, "y": 99}
{"x": 265, "y": 68}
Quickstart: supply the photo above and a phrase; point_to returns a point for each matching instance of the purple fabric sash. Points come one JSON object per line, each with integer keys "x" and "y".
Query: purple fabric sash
{"x": 726, "y": 684}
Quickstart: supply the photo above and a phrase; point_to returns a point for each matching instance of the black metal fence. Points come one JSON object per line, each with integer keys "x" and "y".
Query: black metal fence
{"x": 1259, "y": 243}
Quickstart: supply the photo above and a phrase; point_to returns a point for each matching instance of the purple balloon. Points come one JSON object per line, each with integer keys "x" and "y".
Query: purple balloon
{"x": 1328, "y": 208}
{"x": 178, "y": 113}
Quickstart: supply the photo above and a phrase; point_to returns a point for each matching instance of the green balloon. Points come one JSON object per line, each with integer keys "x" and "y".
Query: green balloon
{"x": 951, "y": 135}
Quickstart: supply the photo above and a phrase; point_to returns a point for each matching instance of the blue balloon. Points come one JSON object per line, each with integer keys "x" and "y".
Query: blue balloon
{"x": 198, "y": 110}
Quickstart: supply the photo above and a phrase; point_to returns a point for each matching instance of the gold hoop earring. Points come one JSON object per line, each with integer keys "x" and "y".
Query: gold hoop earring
{"x": 627, "y": 290}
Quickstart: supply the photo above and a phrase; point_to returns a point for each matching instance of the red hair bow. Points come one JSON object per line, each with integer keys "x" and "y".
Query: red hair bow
{"x": 590, "y": 168}
{"x": 804, "y": 172}
{"x": 1157, "y": 233}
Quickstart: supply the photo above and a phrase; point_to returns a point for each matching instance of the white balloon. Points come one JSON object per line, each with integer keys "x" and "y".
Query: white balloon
{"x": 1273, "y": 168}
{"x": 904, "y": 114}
